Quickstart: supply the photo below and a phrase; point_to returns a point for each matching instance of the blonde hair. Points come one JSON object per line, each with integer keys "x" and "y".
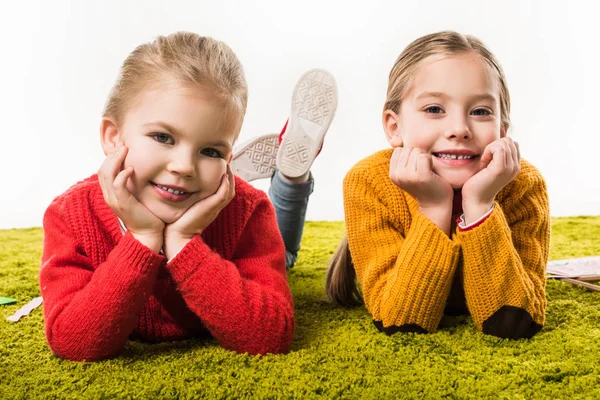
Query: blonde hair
{"x": 185, "y": 58}
{"x": 445, "y": 43}
{"x": 340, "y": 284}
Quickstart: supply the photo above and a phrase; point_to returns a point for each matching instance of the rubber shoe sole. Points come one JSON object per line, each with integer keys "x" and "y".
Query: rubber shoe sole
{"x": 255, "y": 159}
{"x": 314, "y": 103}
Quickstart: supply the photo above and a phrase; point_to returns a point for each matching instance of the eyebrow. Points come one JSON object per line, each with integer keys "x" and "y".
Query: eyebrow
{"x": 216, "y": 143}
{"x": 478, "y": 97}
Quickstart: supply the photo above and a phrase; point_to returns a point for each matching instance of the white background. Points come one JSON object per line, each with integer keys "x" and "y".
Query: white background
{"x": 59, "y": 59}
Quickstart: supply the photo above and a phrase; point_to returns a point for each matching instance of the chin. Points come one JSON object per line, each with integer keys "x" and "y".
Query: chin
{"x": 456, "y": 182}
{"x": 168, "y": 216}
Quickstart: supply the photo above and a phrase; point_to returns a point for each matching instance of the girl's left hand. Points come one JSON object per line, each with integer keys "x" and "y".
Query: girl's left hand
{"x": 197, "y": 218}
{"x": 501, "y": 164}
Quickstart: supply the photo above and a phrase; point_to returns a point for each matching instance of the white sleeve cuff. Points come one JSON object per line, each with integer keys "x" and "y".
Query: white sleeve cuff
{"x": 462, "y": 224}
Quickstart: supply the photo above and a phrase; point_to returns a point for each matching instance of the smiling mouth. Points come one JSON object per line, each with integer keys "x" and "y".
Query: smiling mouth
{"x": 170, "y": 190}
{"x": 454, "y": 156}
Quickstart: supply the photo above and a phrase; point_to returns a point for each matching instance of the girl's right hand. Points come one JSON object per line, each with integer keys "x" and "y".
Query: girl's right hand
{"x": 411, "y": 169}
{"x": 139, "y": 220}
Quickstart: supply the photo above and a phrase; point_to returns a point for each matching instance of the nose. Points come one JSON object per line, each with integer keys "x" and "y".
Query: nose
{"x": 182, "y": 163}
{"x": 459, "y": 130}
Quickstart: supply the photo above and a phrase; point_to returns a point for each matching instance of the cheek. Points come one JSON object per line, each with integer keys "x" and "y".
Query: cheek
{"x": 141, "y": 164}
{"x": 418, "y": 132}
{"x": 211, "y": 172}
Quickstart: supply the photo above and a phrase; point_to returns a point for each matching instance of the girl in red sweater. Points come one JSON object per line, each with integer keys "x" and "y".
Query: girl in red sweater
{"x": 165, "y": 243}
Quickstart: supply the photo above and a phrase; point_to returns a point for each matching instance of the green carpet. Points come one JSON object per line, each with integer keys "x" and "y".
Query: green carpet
{"x": 335, "y": 352}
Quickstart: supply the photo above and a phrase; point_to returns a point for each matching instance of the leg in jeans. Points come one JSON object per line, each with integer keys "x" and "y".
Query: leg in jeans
{"x": 287, "y": 157}
{"x": 290, "y": 201}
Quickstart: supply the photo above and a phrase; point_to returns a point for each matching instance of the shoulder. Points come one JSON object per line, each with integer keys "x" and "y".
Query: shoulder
{"x": 374, "y": 166}
{"x": 369, "y": 189}
{"x": 526, "y": 196}
{"x": 84, "y": 191}
{"x": 371, "y": 174}
{"x": 246, "y": 201}
{"x": 80, "y": 210}
{"x": 528, "y": 181}
{"x": 246, "y": 194}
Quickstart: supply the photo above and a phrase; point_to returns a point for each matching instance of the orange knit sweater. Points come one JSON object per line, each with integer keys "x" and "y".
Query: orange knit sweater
{"x": 406, "y": 265}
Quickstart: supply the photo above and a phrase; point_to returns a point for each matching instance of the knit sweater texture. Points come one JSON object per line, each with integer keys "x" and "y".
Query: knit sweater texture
{"x": 102, "y": 287}
{"x": 410, "y": 271}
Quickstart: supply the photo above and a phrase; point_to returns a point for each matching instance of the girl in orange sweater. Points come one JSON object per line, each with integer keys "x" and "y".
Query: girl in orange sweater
{"x": 451, "y": 219}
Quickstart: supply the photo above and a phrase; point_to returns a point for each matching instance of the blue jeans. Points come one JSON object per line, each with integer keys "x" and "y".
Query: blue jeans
{"x": 290, "y": 201}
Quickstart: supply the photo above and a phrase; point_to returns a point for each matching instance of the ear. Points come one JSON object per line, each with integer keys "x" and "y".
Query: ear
{"x": 109, "y": 135}
{"x": 391, "y": 122}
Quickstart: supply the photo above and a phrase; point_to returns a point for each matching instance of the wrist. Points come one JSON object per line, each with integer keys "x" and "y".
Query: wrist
{"x": 440, "y": 215}
{"x": 152, "y": 241}
{"x": 174, "y": 243}
{"x": 475, "y": 210}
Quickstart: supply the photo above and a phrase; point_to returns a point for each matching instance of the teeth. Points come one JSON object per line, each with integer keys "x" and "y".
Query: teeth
{"x": 454, "y": 156}
{"x": 170, "y": 190}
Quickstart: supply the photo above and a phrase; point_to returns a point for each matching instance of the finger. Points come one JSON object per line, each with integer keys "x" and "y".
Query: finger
{"x": 114, "y": 163}
{"x": 394, "y": 159}
{"x": 516, "y": 153}
{"x": 398, "y": 162}
{"x": 403, "y": 158}
{"x": 412, "y": 159}
{"x": 224, "y": 188}
{"x": 122, "y": 177}
{"x": 488, "y": 154}
{"x": 508, "y": 160}
{"x": 424, "y": 164}
{"x": 108, "y": 160}
{"x": 120, "y": 185}
{"x": 107, "y": 174}
{"x": 231, "y": 178}
{"x": 511, "y": 152}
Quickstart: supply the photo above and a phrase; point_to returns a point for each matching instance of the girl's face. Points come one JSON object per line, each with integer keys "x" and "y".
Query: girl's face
{"x": 179, "y": 148}
{"x": 451, "y": 111}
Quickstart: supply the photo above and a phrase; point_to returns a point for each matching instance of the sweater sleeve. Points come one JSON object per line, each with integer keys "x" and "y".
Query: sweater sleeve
{"x": 505, "y": 262}
{"x": 405, "y": 272}
{"x": 244, "y": 302}
{"x": 90, "y": 310}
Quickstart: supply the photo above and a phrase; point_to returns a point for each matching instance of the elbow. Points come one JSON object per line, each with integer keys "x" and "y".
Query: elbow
{"x": 270, "y": 338}
{"x": 74, "y": 348}
{"x": 511, "y": 323}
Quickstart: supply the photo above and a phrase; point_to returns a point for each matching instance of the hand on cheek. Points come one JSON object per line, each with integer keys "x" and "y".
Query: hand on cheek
{"x": 143, "y": 225}
{"x": 197, "y": 218}
{"x": 411, "y": 169}
{"x": 501, "y": 164}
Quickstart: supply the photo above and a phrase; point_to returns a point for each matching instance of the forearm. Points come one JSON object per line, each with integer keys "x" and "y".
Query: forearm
{"x": 90, "y": 314}
{"x": 473, "y": 211}
{"x": 243, "y": 314}
{"x": 495, "y": 274}
{"x": 414, "y": 287}
{"x": 440, "y": 215}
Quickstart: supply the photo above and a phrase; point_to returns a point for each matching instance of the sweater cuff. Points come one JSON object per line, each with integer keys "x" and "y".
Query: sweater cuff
{"x": 462, "y": 226}
{"x": 186, "y": 261}
{"x": 136, "y": 254}
{"x": 433, "y": 260}
{"x": 486, "y": 277}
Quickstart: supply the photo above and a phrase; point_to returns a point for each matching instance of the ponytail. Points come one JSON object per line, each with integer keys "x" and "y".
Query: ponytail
{"x": 341, "y": 278}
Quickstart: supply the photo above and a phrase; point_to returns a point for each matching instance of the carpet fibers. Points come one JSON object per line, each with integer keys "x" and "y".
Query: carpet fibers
{"x": 336, "y": 353}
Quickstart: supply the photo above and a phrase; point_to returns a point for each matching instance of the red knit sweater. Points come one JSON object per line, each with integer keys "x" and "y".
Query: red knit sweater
{"x": 101, "y": 287}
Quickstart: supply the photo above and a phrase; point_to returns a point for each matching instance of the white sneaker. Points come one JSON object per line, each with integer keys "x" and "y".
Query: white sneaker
{"x": 255, "y": 159}
{"x": 314, "y": 102}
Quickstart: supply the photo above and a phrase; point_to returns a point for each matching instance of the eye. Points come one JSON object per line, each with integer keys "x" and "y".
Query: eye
{"x": 481, "y": 112}
{"x": 210, "y": 152}
{"x": 434, "y": 110}
{"x": 163, "y": 138}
